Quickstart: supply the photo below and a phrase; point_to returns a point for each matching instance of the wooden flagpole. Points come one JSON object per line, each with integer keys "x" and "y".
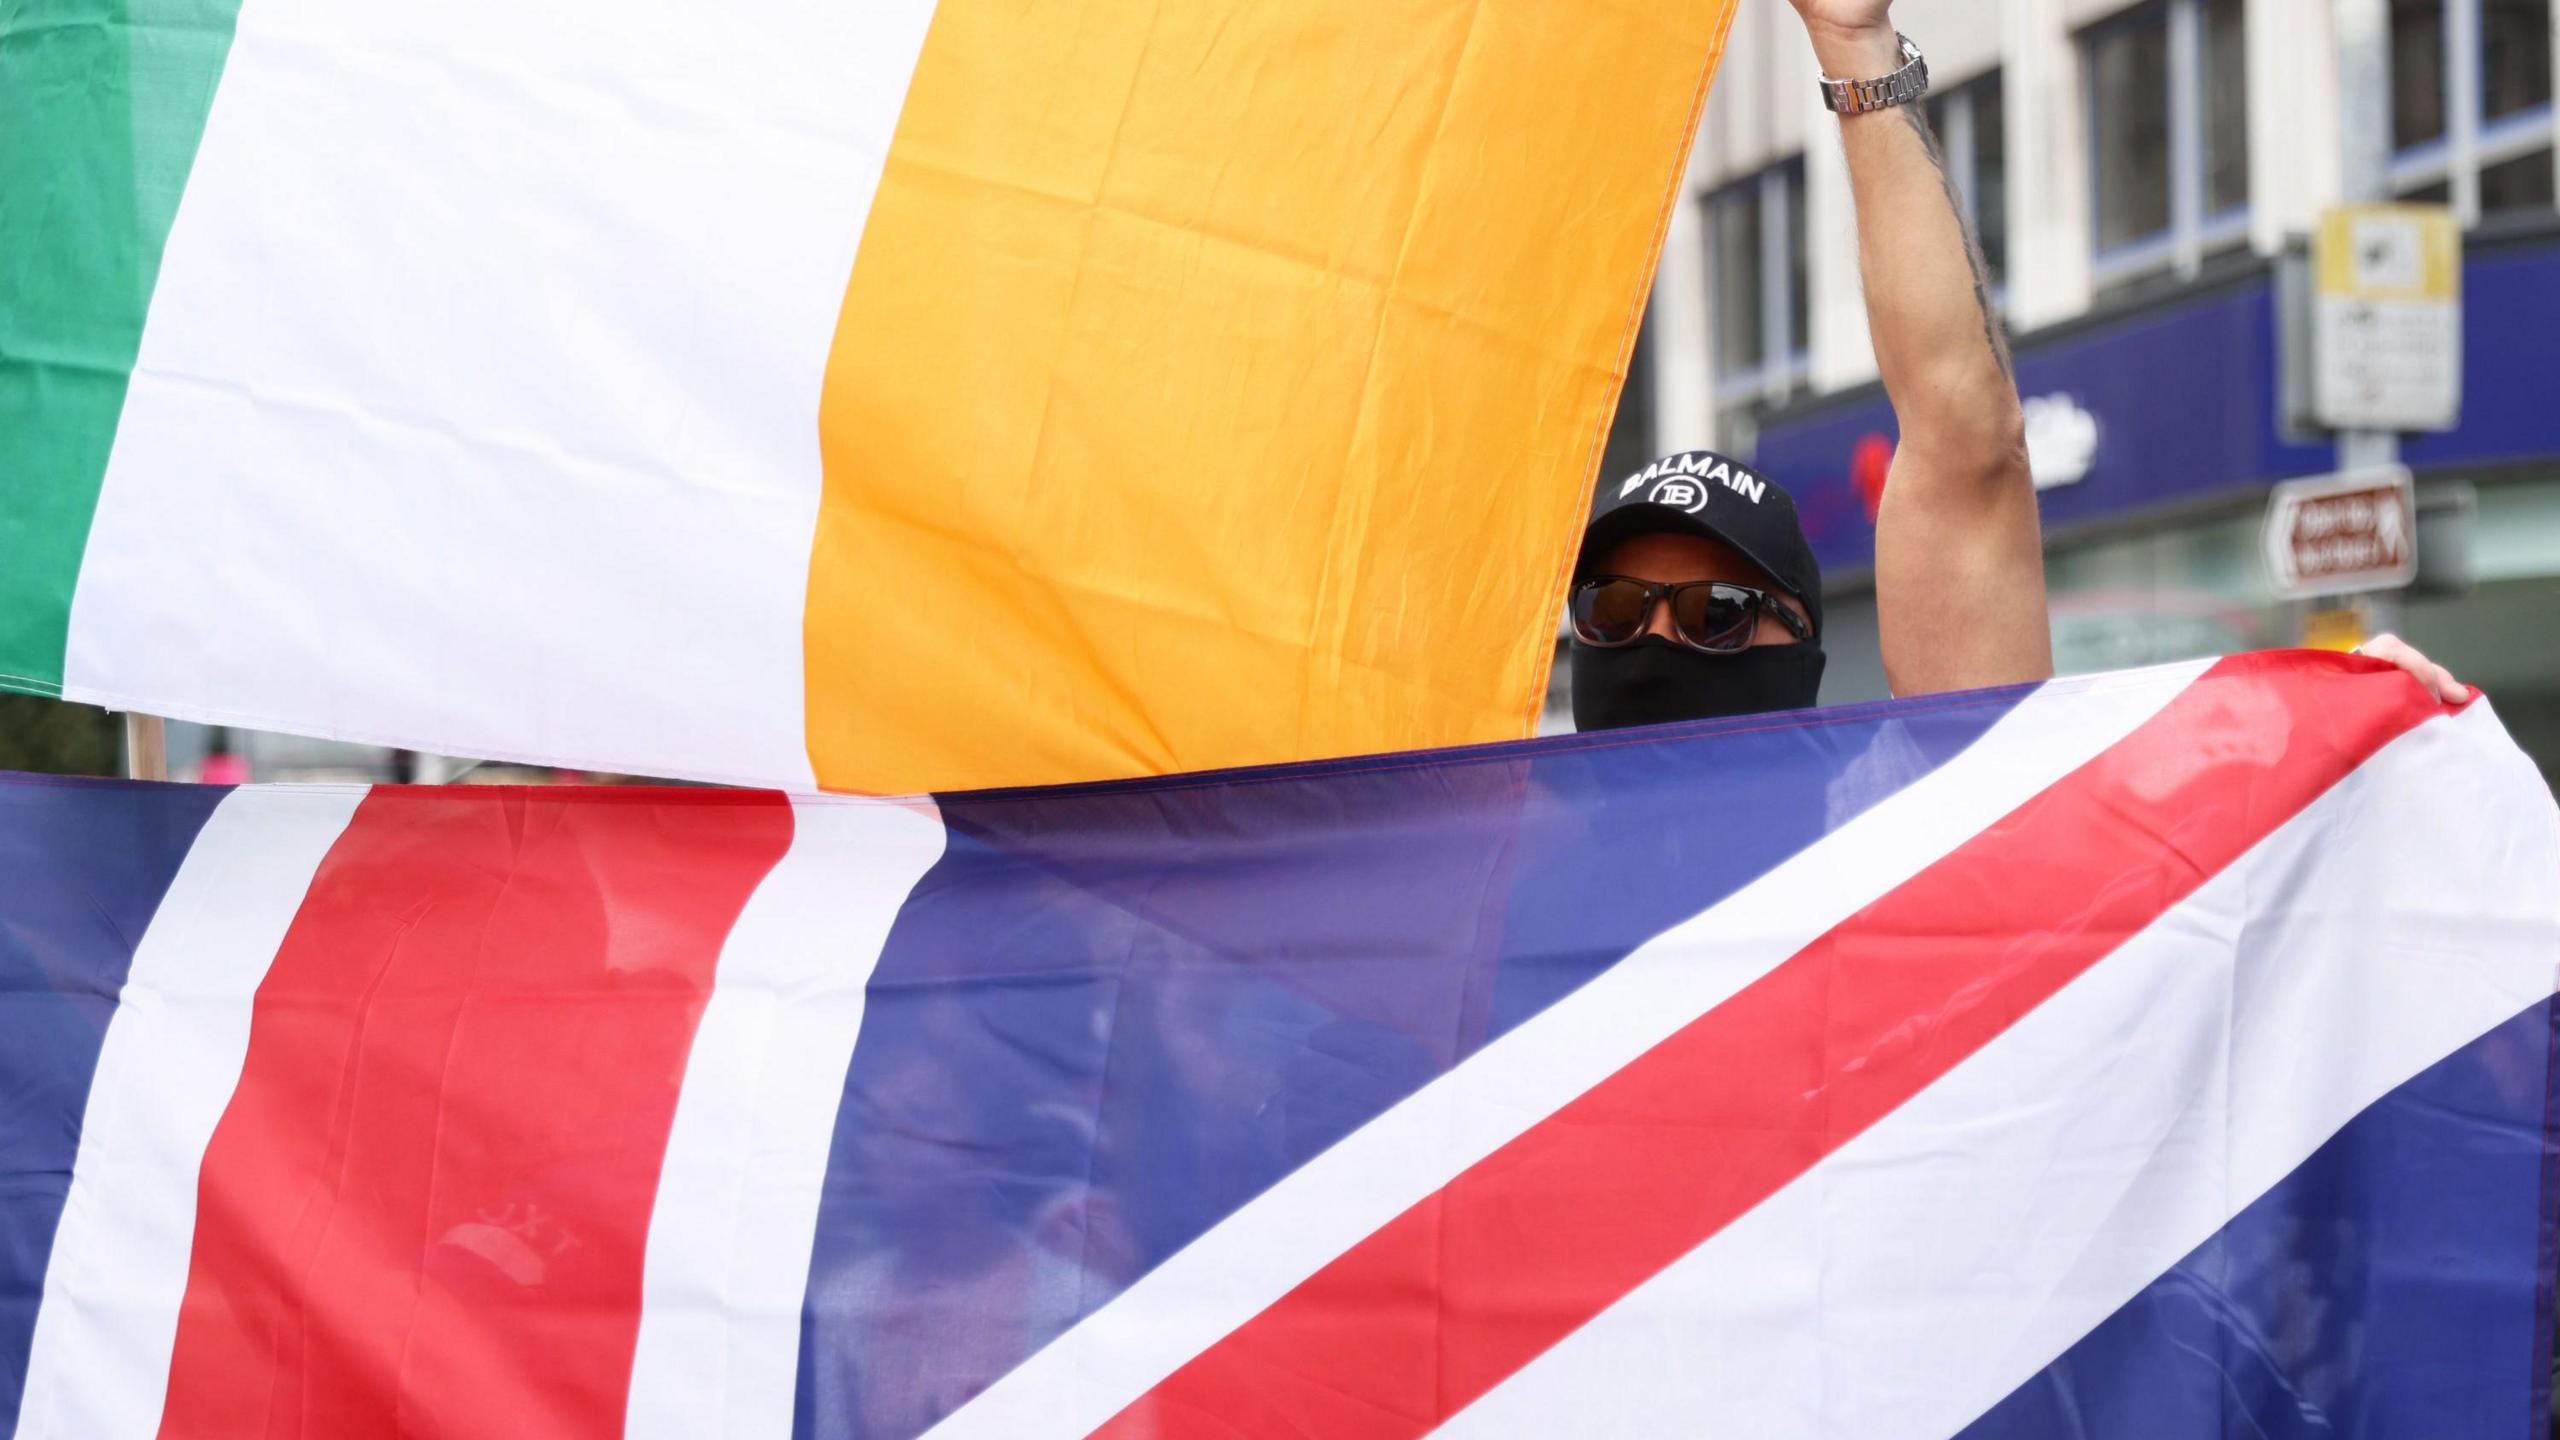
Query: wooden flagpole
{"x": 146, "y": 747}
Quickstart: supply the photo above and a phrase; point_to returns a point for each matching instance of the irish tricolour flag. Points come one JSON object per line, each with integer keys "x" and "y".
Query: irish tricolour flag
{"x": 894, "y": 395}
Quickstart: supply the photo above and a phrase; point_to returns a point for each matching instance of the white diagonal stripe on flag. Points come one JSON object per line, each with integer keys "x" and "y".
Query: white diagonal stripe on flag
{"x": 737, "y": 1206}
{"x": 99, "y": 1365}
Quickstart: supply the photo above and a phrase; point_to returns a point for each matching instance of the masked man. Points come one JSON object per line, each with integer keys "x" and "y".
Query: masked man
{"x": 1696, "y": 595}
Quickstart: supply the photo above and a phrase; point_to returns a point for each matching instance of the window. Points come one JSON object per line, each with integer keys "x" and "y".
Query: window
{"x": 2168, "y": 92}
{"x": 2523, "y": 183}
{"x": 2515, "y": 50}
{"x": 2129, "y": 97}
{"x": 1799, "y": 282}
{"x": 1758, "y": 289}
{"x": 1742, "y": 342}
{"x": 1971, "y": 122}
{"x": 2471, "y": 112}
{"x": 2417, "y": 74}
{"x": 2226, "y": 119}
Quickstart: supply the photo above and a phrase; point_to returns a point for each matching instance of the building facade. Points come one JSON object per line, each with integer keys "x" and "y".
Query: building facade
{"x": 2139, "y": 173}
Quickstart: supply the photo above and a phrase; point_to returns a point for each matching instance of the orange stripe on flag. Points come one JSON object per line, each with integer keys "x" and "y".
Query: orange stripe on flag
{"x": 1220, "y": 381}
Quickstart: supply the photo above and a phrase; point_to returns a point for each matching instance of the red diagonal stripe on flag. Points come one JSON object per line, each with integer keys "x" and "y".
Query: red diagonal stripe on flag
{"x": 1460, "y": 1291}
{"x": 425, "y": 1209}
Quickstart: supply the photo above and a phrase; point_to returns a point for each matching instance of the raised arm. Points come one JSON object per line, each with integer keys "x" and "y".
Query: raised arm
{"x": 1960, "y": 596}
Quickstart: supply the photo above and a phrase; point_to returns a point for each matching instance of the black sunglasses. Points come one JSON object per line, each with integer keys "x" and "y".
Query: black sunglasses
{"x": 1710, "y": 615}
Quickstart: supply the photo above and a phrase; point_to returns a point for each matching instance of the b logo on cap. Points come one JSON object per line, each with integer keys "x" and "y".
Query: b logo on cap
{"x": 1680, "y": 492}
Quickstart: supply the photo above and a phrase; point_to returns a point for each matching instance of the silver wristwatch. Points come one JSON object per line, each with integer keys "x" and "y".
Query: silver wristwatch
{"x": 1857, "y": 97}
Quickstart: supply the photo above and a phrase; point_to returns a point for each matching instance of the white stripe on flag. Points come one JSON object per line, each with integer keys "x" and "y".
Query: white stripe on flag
{"x": 99, "y": 1367}
{"x": 478, "y": 395}
{"x": 737, "y": 1206}
{"x": 1338, "y": 1199}
{"x": 1938, "y": 1261}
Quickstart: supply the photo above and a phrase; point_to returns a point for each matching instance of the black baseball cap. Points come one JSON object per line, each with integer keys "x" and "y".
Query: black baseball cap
{"x": 1699, "y": 492}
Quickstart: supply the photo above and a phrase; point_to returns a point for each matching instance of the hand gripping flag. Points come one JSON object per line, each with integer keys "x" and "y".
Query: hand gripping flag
{"x": 2133, "y": 1058}
{"x": 890, "y": 396}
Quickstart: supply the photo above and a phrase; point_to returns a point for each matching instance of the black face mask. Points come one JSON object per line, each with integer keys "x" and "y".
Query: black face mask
{"x": 1657, "y": 680}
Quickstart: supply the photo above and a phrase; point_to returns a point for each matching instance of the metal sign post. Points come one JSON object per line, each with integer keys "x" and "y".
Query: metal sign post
{"x": 2364, "y": 175}
{"x": 2386, "y": 307}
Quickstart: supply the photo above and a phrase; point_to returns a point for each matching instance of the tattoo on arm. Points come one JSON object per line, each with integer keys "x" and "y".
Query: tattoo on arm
{"x": 1919, "y": 123}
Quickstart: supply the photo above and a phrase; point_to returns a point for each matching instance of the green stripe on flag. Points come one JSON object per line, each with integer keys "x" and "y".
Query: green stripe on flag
{"x": 101, "y": 103}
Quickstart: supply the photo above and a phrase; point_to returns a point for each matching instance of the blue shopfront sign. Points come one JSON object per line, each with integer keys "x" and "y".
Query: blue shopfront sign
{"x": 2179, "y": 403}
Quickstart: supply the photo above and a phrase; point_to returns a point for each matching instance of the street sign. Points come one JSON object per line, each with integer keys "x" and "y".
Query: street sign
{"x": 2340, "y": 534}
{"x": 2387, "y": 318}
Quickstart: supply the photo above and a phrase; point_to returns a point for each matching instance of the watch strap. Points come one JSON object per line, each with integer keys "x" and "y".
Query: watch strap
{"x": 1857, "y": 97}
